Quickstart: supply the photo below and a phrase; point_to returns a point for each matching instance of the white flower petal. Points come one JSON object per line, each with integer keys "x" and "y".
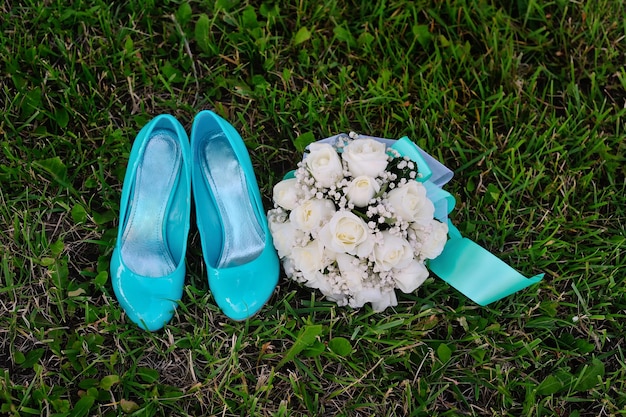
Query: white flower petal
{"x": 286, "y": 194}
{"x": 365, "y": 157}
{"x": 409, "y": 278}
{"x": 324, "y": 164}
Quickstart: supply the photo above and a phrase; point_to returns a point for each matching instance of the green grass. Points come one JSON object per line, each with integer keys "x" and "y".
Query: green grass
{"x": 525, "y": 102}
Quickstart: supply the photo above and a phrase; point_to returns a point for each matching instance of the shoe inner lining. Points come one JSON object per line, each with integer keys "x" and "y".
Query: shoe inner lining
{"x": 243, "y": 236}
{"x": 144, "y": 248}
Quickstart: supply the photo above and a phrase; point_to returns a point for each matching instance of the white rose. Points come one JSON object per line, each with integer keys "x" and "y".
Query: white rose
{"x": 312, "y": 214}
{"x": 347, "y": 233}
{"x": 365, "y": 157}
{"x": 309, "y": 259}
{"x": 285, "y": 235}
{"x": 286, "y": 194}
{"x": 393, "y": 252}
{"x": 380, "y": 299}
{"x": 350, "y": 272}
{"x": 409, "y": 278}
{"x": 410, "y": 202}
{"x": 324, "y": 164}
{"x": 433, "y": 243}
{"x": 361, "y": 190}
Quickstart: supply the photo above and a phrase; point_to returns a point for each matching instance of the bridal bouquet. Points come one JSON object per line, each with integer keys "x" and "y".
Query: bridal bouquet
{"x": 355, "y": 223}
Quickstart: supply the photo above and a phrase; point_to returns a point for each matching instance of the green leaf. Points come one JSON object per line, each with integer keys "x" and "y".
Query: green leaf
{"x": 61, "y": 406}
{"x": 590, "y": 375}
{"x": 340, "y": 346}
{"x": 224, "y": 4}
{"x": 549, "y": 307}
{"x": 287, "y": 74}
{"x": 108, "y": 381}
{"x": 103, "y": 218}
{"x": 303, "y": 141}
{"x": 62, "y": 117}
{"x": 478, "y": 355}
{"x": 57, "y": 247}
{"x": 260, "y": 82}
{"x": 305, "y": 338}
{"x": 344, "y": 35}
{"x": 79, "y": 214}
{"x": 148, "y": 375}
{"x": 55, "y": 167}
{"x": 249, "y": 18}
{"x": 170, "y": 72}
{"x": 183, "y": 15}
{"x": 444, "y": 352}
{"x": 19, "y": 357}
{"x": 583, "y": 346}
{"x": 83, "y": 406}
{"x": 550, "y": 385}
{"x": 31, "y": 102}
{"x": 365, "y": 39}
{"x": 88, "y": 383}
{"x": 422, "y": 34}
{"x": 101, "y": 278}
{"x": 302, "y": 35}
{"x": 59, "y": 272}
{"x": 202, "y": 32}
{"x": 493, "y": 193}
{"x": 269, "y": 10}
{"x": 316, "y": 349}
{"x": 93, "y": 392}
{"x": 542, "y": 323}
{"x": 129, "y": 46}
{"x": 47, "y": 261}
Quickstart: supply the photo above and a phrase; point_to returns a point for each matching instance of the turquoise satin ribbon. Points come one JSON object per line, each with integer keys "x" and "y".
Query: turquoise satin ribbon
{"x": 468, "y": 267}
{"x": 465, "y": 265}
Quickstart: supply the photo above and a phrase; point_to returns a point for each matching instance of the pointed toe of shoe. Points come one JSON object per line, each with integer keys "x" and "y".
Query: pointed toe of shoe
{"x": 241, "y": 291}
{"x": 148, "y": 302}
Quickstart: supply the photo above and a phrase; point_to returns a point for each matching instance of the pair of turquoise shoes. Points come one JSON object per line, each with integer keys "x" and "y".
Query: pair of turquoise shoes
{"x": 148, "y": 262}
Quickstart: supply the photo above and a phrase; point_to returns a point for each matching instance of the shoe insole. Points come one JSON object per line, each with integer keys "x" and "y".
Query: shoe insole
{"x": 243, "y": 237}
{"x": 144, "y": 248}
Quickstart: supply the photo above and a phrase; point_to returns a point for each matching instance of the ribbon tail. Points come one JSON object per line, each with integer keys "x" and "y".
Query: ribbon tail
{"x": 465, "y": 265}
{"x": 468, "y": 267}
{"x": 477, "y": 273}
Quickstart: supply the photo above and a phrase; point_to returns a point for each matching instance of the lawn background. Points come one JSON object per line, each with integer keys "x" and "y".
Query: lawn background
{"x": 524, "y": 100}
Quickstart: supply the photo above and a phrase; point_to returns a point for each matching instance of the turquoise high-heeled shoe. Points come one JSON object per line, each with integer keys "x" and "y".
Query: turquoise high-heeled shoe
{"x": 148, "y": 262}
{"x": 241, "y": 261}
